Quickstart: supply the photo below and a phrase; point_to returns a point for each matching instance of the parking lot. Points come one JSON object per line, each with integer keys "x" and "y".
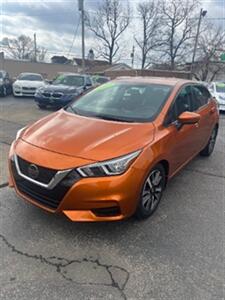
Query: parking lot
{"x": 176, "y": 254}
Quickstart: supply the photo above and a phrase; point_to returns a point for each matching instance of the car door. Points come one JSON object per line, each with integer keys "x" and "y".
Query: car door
{"x": 183, "y": 145}
{"x": 202, "y": 105}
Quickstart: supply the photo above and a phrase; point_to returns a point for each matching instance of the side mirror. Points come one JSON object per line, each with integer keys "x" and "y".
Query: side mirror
{"x": 188, "y": 117}
{"x": 88, "y": 84}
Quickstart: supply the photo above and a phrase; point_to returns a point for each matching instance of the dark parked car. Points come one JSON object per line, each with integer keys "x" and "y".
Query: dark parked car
{"x": 65, "y": 88}
{"x": 5, "y": 83}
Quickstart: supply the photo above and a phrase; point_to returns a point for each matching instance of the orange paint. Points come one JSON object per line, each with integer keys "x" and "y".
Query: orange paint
{"x": 63, "y": 140}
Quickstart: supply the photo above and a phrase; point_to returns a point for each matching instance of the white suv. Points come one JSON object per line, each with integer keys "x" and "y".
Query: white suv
{"x": 217, "y": 89}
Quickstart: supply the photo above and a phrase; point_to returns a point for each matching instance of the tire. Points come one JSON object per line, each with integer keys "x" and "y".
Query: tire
{"x": 151, "y": 192}
{"x": 41, "y": 106}
{"x": 10, "y": 90}
{"x": 4, "y": 91}
{"x": 208, "y": 150}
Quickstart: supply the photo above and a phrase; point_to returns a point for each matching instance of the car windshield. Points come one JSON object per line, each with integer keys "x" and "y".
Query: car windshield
{"x": 30, "y": 77}
{"x": 70, "y": 80}
{"x": 220, "y": 88}
{"x": 123, "y": 102}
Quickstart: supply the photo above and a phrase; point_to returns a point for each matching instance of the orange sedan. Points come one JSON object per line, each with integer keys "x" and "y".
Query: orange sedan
{"x": 109, "y": 154}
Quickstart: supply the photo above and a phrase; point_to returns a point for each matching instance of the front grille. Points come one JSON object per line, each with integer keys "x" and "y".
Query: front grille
{"x": 28, "y": 88}
{"x": 57, "y": 95}
{"x": 28, "y": 92}
{"x": 45, "y": 174}
{"x": 45, "y": 197}
{"x": 52, "y": 95}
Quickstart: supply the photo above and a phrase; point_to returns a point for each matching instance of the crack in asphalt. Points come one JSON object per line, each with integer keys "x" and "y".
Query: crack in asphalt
{"x": 61, "y": 263}
{"x": 204, "y": 173}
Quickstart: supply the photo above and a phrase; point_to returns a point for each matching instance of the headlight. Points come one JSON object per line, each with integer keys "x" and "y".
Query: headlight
{"x": 16, "y": 86}
{"x": 19, "y": 132}
{"x": 115, "y": 166}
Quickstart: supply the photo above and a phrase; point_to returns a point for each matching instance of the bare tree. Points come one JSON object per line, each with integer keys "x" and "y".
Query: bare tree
{"x": 151, "y": 30}
{"x": 23, "y": 48}
{"x": 179, "y": 18}
{"x": 211, "y": 43}
{"x": 19, "y": 48}
{"x": 108, "y": 23}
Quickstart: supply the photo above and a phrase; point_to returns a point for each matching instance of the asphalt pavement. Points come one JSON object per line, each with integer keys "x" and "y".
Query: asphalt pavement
{"x": 176, "y": 254}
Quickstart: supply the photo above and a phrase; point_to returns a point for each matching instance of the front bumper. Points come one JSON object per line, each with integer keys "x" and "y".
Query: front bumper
{"x": 52, "y": 102}
{"x": 23, "y": 93}
{"x": 87, "y": 199}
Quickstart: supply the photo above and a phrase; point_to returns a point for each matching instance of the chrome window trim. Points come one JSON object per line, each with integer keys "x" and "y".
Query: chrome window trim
{"x": 52, "y": 183}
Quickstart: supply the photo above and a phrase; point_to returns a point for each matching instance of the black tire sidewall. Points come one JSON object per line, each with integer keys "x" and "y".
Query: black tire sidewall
{"x": 206, "y": 151}
{"x": 4, "y": 91}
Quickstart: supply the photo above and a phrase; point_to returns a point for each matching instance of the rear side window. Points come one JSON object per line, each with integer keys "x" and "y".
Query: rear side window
{"x": 201, "y": 96}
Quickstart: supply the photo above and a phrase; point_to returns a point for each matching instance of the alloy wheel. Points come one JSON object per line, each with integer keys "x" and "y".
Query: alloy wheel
{"x": 152, "y": 191}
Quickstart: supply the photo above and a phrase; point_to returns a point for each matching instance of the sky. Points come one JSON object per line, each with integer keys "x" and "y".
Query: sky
{"x": 55, "y": 23}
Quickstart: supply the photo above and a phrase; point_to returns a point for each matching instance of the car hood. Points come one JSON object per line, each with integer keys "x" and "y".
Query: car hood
{"x": 89, "y": 138}
{"x": 60, "y": 88}
{"x": 29, "y": 83}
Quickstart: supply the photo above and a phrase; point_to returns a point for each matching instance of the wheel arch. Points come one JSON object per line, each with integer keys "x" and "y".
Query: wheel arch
{"x": 166, "y": 167}
{"x": 217, "y": 126}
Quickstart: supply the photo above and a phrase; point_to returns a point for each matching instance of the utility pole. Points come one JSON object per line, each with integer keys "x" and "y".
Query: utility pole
{"x": 132, "y": 57}
{"x": 202, "y": 14}
{"x": 35, "y": 48}
{"x": 81, "y": 9}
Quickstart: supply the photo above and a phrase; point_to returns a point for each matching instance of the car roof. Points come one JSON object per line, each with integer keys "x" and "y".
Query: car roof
{"x": 28, "y": 73}
{"x": 70, "y": 73}
{"x": 155, "y": 80}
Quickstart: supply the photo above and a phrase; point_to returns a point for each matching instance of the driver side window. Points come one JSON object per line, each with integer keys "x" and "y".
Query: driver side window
{"x": 181, "y": 104}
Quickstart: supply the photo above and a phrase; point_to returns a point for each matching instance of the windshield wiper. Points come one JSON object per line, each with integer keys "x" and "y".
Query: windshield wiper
{"x": 73, "y": 109}
{"x": 111, "y": 118}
